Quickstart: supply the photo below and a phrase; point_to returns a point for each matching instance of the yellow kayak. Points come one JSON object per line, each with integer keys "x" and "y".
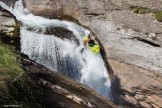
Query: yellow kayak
{"x": 95, "y": 48}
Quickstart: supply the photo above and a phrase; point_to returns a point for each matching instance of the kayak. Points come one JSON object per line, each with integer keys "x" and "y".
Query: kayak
{"x": 95, "y": 48}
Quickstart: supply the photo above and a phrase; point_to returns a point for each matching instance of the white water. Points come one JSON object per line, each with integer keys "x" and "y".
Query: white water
{"x": 59, "y": 54}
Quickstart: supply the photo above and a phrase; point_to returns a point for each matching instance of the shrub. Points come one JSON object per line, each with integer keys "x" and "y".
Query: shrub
{"x": 142, "y": 10}
{"x": 158, "y": 16}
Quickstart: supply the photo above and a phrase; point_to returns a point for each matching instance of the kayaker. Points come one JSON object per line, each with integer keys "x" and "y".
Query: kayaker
{"x": 89, "y": 40}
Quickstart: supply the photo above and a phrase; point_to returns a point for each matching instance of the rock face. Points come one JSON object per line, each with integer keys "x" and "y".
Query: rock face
{"x": 138, "y": 86}
{"x": 9, "y": 29}
{"x": 9, "y": 2}
{"x": 7, "y": 24}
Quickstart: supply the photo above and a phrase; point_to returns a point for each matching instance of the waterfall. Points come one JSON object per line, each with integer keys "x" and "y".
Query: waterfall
{"x": 61, "y": 54}
{"x": 55, "y": 53}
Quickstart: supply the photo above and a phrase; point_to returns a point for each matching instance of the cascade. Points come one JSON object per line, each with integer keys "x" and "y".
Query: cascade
{"x": 61, "y": 54}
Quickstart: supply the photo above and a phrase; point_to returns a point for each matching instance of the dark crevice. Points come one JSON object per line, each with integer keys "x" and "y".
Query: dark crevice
{"x": 5, "y": 16}
{"x": 9, "y": 25}
{"x": 94, "y": 14}
{"x": 8, "y": 12}
{"x": 145, "y": 41}
{"x": 148, "y": 42}
{"x": 14, "y": 41}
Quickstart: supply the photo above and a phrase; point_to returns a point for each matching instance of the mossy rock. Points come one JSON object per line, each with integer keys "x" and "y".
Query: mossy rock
{"x": 139, "y": 10}
{"x": 12, "y": 29}
{"x": 158, "y": 16}
{"x": 135, "y": 10}
{"x": 142, "y": 11}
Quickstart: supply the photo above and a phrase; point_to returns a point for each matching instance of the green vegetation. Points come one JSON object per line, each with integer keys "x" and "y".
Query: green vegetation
{"x": 135, "y": 10}
{"x": 158, "y": 15}
{"x": 9, "y": 64}
{"x": 24, "y": 93}
{"x": 140, "y": 10}
{"x": 16, "y": 87}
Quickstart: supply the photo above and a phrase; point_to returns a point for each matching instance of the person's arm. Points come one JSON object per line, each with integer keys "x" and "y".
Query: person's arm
{"x": 85, "y": 42}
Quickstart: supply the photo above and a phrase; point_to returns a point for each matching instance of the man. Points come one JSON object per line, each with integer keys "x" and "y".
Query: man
{"x": 90, "y": 41}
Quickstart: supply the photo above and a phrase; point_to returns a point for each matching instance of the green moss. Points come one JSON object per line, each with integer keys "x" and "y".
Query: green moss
{"x": 19, "y": 89}
{"x": 9, "y": 64}
{"x": 141, "y": 10}
{"x": 135, "y": 10}
{"x": 16, "y": 31}
{"x": 158, "y": 15}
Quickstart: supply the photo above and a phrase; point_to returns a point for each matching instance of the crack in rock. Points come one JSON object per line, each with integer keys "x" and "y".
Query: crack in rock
{"x": 145, "y": 41}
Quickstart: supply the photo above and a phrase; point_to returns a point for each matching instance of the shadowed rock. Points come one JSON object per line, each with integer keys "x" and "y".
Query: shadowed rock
{"x": 62, "y": 91}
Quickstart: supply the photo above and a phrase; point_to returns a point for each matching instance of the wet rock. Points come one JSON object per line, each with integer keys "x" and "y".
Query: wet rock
{"x": 61, "y": 33}
{"x": 56, "y": 31}
{"x": 8, "y": 24}
{"x": 9, "y": 29}
{"x": 9, "y": 2}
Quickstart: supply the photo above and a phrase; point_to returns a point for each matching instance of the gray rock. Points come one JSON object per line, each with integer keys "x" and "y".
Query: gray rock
{"x": 136, "y": 81}
{"x": 7, "y": 23}
{"x": 9, "y": 2}
{"x": 137, "y": 22}
{"x": 124, "y": 4}
{"x": 131, "y": 100}
{"x": 138, "y": 97}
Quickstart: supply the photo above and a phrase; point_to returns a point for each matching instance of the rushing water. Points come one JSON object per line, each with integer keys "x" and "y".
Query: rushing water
{"x": 61, "y": 54}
